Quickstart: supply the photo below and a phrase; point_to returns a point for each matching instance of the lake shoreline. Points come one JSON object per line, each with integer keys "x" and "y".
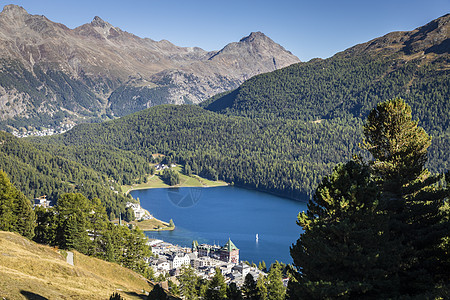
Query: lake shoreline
{"x": 213, "y": 216}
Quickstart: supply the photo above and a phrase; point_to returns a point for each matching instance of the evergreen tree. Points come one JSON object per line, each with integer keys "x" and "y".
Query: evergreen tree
{"x": 217, "y": 289}
{"x": 129, "y": 214}
{"x": 376, "y": 230}
{"x": 157, "y": 293}
{"x": 261, "y": 287}
{"x": 397, "y": 143}
{"x": 16, "y": 213}
{"x": 262, "y": 266}
{"x": 25, "y": 217}
{"x": 233, "y": 292}
{"x": 202, "y": 287}
{"x": 97, "y": 225}
{"x": 188, "y": 283}
{"x": 343, "y": 251}
{"x": 411, "y": 196}
{"x": 249, "y": 287}
{"x": 275, "y": 288}
{"x": 173, "y": 288}
{"x": 46, "y": 226}
{"x": 72, "y": 212}
{"x": 187, "y": 170}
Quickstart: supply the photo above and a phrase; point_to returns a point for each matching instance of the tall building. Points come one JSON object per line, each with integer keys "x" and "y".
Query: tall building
{"x": 229, "y": 252}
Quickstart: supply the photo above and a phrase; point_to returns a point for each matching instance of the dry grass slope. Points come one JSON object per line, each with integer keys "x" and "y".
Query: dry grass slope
{"x": 32, "y": 271}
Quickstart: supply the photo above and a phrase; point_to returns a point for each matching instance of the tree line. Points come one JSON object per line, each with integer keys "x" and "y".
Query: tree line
{"x": 287, "y": 157}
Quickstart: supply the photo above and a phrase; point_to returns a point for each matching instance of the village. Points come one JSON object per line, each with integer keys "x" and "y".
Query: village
{"x": 44, "y": 132}
{"x": 168, "y": 260}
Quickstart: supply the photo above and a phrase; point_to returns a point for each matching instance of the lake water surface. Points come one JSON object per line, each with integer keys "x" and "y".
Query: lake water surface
{"x": 212, "y": 215}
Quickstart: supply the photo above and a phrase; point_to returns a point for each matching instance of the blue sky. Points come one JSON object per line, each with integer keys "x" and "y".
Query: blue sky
{"x": 315, "y": 28}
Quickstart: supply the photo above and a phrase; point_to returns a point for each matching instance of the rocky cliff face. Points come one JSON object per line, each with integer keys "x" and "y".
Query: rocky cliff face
{"x": 50, "y": 72}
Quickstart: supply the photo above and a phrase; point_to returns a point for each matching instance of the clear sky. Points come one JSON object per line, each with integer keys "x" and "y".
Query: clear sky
{"x": 314, "y": 28}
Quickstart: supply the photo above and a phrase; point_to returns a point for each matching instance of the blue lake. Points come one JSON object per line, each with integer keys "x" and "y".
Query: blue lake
{"x": 212, "y": 215}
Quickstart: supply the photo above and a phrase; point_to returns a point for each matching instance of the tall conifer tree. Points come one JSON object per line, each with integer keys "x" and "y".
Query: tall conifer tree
{"x": 249, "y": 288}
{"x": 275, "y": 288}
{"x": 16, "y": 213}
{"x": 338, "y": 255}
{"x": 411, "y": 196}
{"x": 376, "y": 230}
{"x": 217, "y": 288}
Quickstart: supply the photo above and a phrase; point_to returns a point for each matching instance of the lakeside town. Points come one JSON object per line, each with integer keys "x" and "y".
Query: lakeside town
{"x": 167, "y": 260}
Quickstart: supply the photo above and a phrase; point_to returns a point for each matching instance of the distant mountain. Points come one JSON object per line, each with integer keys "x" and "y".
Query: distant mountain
{"x": 414, "y": 65}
{"x": 52, "y": 74}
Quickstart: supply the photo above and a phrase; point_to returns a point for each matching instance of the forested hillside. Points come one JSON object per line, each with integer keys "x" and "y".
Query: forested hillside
{"x": 286, "y": 157}
{"x": 52, "y": 171}
{"x": 348, "y": 87}
{"x": 412, "y": 65}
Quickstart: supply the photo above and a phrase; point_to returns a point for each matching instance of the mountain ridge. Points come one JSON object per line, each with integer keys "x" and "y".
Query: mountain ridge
{"x": 410, "y": 64}
{"x": 61, "y": 74}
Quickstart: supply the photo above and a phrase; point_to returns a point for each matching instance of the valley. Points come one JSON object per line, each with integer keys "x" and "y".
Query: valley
{"x": 337, "y": 166}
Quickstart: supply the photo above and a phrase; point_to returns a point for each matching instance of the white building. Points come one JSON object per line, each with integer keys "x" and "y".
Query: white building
{"x": 42, "y": 201}
{"x": 179, "y": 259}
{"x": 139, "y": 212}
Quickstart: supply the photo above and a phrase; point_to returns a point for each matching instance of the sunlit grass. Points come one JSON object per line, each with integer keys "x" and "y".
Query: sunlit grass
{"x": 27, "y": 268}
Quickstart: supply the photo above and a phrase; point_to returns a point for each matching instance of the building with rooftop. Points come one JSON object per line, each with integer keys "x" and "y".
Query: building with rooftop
{"x": 228, "y": 253}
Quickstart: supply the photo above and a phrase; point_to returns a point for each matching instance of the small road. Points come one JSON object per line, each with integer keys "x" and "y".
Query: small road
{"x": 69, "y": 258}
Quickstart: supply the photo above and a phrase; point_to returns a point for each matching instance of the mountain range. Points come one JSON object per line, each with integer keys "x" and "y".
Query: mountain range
{"x": 51, "y": 74}
{"x": 279, "y": 132}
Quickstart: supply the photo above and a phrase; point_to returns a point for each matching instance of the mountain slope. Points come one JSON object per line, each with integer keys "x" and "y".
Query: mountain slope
{"x": 53, "y": 74}
{"x": 32, "y": 271}
{"x": 413, "y": 65}
{"x": 52, "y": 171}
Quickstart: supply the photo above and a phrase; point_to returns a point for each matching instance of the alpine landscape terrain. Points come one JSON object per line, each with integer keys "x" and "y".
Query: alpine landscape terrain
{"x": 52, "y": 74}
{"x": 362, "y": 137}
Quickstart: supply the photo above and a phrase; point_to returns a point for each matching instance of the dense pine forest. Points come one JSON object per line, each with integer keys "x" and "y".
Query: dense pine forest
{"x": 286, "y": 157}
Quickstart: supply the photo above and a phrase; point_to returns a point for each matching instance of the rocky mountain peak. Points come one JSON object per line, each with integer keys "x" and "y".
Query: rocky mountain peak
{"x": 13, "y": 10}
{"x": 254, "y": 36}
{"x": 99, "y": 22}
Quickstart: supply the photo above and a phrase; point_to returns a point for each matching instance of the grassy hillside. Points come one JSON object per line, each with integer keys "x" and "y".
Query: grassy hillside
{"x": 32, "y": 271}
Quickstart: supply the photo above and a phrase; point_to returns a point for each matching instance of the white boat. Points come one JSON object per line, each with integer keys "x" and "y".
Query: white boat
{"x": 257, "y": 237}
